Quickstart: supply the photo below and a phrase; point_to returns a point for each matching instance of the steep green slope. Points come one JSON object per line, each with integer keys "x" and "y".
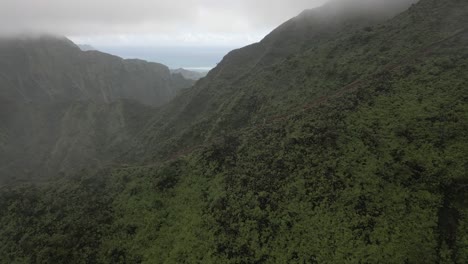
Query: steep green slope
{"x": 326, "y": 64}
{"x": 305, "y": 31}
{"x": 350, "y": 151}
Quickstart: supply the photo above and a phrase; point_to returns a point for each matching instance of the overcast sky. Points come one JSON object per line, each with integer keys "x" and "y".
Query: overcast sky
{"x": 161, "y": 22}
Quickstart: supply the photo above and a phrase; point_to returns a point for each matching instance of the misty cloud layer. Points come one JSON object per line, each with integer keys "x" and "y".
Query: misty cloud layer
{"x": 137, "y": 24}
{"x": 89, "y": 17}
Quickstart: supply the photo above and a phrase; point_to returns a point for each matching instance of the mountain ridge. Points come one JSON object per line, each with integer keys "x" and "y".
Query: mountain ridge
{"x": 90, "y": 75}
{"x": 51, "y": 90}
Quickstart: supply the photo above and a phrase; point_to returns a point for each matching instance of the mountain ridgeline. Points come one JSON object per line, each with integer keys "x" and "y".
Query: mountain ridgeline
{"x": 339, "y": 138}
{"x": 63, "y": 109}
{"x": 48, "y": 69}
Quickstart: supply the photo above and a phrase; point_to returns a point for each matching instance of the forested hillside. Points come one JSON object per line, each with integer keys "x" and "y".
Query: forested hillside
{"x": 350, "y": 147}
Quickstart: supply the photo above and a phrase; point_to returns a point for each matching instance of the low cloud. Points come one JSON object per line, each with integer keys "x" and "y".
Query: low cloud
{"x": 156, "y": 22}
{"x": 97, "y": 17}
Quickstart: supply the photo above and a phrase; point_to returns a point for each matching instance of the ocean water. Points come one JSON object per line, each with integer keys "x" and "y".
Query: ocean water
{"x": 191, "y": 58}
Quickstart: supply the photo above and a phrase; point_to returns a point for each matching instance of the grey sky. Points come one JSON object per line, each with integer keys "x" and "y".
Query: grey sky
{"x": 179, "y": 33}
{"x": 175, "y": 22}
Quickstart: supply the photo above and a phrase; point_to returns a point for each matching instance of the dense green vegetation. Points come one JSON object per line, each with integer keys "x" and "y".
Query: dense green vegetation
{"x": 285, "y": 164}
